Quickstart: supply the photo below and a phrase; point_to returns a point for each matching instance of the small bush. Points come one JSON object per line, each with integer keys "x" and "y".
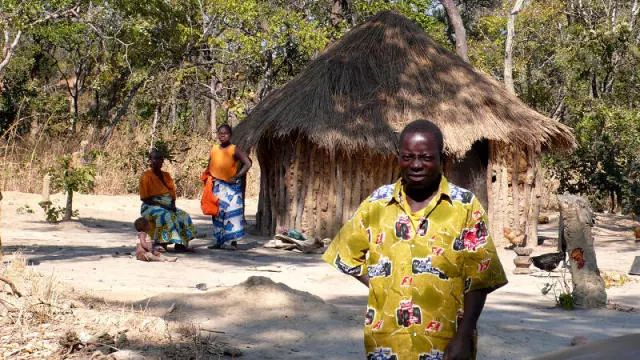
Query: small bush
{"x": 54, "y": 214}
{"x": 26, "y": 209}
{"x": 565, "y": 301}
{"x": 71, "y": 176}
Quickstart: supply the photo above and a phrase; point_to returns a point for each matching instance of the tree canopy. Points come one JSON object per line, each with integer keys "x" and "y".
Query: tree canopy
{"x": 187, "y": 65}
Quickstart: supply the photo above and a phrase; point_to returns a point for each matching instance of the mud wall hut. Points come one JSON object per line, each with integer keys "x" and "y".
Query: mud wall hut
{"x": 328, "y": 138}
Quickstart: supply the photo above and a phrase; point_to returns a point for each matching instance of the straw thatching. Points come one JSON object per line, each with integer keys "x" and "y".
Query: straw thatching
{"x": 382, "y": 75}
{"x": 328, "y": 138}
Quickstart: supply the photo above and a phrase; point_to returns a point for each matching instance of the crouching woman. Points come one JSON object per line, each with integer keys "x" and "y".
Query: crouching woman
{"x": 170, "y": 225}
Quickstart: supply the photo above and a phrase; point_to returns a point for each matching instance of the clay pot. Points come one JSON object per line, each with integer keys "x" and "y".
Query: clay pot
{"x": 522, "y": 251}
{"x": 522, "y": 261}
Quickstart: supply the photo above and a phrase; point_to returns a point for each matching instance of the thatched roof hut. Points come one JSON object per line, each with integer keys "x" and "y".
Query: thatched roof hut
{"x": 344, "y": 110}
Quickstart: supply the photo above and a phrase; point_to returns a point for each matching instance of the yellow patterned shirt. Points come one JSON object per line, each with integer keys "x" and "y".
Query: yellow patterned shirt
{"x": 420, "y": 266}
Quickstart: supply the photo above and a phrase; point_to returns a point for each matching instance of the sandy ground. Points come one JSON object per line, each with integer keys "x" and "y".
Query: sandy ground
{"x": 315, "y": 313}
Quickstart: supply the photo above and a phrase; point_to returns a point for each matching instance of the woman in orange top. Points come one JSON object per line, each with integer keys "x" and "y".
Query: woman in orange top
{"x": 158, "y": 195}
{"x": 229, "y": 224}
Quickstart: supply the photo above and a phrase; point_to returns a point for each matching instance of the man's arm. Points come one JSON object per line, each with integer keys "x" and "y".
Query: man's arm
{"x": 460, "y": 346}
{"x": 363, "y": 279}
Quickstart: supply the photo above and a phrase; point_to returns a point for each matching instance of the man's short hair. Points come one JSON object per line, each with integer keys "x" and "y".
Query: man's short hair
{"x": 422, "y": 126}
{"x": 155, "y": 152}
{"x": 140, "y": 223}
{"x": 226, "y": 126}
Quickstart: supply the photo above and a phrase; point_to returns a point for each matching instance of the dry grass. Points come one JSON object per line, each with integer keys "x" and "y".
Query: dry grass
{"x": 615, "y": 279}
{"x": 119, "y": 163}
{"x": 51, "y": 321}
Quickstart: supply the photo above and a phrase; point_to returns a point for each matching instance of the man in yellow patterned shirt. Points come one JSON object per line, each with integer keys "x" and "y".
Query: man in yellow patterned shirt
{"x": 421, "y": 246}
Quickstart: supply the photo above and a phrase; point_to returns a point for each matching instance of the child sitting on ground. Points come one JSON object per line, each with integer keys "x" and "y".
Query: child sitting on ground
{"x": 145, "y": 251}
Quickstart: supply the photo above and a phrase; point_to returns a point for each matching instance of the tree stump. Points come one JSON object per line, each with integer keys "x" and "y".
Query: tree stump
{"x": 576, "y": 221}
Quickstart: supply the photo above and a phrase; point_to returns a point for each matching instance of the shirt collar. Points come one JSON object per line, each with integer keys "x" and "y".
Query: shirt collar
{"x": 443, "y": 190}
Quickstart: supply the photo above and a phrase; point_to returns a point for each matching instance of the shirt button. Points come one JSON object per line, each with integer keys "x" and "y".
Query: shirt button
{"x": 412, "y": 245}
{"x": 414, "y": 334}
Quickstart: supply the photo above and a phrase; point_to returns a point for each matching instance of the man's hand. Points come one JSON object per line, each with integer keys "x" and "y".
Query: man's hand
{"x": 459, "y": 348}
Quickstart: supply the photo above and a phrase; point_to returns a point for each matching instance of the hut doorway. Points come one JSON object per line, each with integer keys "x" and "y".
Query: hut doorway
{"x": 470, "y": 171}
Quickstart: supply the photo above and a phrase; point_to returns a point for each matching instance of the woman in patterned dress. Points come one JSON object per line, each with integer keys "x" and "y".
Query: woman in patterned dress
{"x": 170, "y": 225}
{"x": 228, "y": 225}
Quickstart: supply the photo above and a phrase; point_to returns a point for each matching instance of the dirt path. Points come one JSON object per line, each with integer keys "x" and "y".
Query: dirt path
{"x": 318, "y": 314}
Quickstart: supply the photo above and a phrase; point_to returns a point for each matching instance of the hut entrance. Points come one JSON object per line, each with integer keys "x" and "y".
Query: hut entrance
{"x": 470, "y": 171}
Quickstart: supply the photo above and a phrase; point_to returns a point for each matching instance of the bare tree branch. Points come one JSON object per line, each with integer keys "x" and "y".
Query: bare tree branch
{"x": 9, "y": 48}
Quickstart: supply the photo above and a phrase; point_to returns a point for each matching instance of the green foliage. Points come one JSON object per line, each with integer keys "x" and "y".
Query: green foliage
{"x": 26, "y": 209}
{"x": 55, "y": 214}
{"x": 71, "y": 177}
{"x": 166, "y": 148}
{"x": 426, "y": 13}
{"x": 561, "y": 291}
{"x": 565, "y": 301}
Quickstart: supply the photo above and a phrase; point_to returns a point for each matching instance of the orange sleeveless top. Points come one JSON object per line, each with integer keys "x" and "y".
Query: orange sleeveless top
{"x": 222, "y": 164}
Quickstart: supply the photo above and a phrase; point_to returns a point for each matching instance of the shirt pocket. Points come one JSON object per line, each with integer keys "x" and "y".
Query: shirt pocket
{"x": 448, "y": 263}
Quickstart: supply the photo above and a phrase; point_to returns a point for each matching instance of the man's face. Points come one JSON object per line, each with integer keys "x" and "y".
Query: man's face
{"x": 224, "y": 135}
{"x": 419, "y": 160}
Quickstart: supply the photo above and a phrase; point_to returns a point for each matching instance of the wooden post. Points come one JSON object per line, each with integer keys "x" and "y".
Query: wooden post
{"x": 491, "y": 205}
{"x": 339, "y": 192}
{"x": 533, "y": 183}
{"x": 297, "y": 192}
{"x": 46, "y": 191}
{"x": 501, "y": 193}
{"x": 317, "y": 175}
{"x": 348, "y": 188}
{"x": 515, "y": 188}
{"x": 331, "y": 215}
{"x": 308, "y": 217}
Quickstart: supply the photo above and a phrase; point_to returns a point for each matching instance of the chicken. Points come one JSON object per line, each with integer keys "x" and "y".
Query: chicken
{"x": 548, "y": 262}
{"x": 516, "y": 238}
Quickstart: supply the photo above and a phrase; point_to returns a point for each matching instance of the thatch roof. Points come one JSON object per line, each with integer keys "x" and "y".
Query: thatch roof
{"x": 382, "y": 75}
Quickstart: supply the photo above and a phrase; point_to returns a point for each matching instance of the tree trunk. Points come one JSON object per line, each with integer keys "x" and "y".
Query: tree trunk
{"x": 154, "y": 126}
{"x": 75, "y": 115}
{"x": 8, "y": 50}
{"x": 213, "y": 108}
{"x": 68, "y": 210}
{"x": 122, "y": 111}
{"x": 458, "y": 27}
{"x": 508, "y": 54}
{"x": 576, "y": 219}
{"x": 264, "y": 86}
